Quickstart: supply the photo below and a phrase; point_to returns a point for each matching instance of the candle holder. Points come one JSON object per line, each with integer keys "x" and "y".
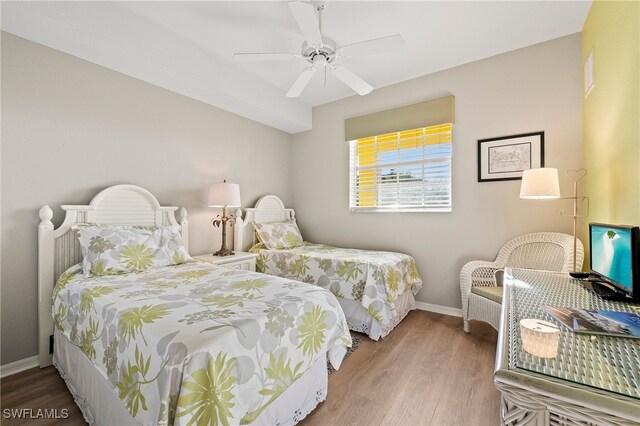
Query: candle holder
{"x": 539, "y": 338}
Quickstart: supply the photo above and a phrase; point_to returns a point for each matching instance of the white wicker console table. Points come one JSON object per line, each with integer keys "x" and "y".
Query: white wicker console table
{"x": 589, "y": 382}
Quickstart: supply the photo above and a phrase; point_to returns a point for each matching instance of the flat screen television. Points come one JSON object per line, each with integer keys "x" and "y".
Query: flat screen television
{"x": 615, "y": 251}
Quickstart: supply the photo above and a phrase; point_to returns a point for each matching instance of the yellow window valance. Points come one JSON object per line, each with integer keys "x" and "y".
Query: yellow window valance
{"x": 423, "y": 114}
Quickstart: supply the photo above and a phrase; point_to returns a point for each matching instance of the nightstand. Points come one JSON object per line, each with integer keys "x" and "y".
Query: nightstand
{"x": 240, "y": 260}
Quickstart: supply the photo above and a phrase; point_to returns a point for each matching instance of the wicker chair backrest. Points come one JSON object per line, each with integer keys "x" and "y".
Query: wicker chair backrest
{"x": 537, "y": 255}
{"x": 549, "y": 251}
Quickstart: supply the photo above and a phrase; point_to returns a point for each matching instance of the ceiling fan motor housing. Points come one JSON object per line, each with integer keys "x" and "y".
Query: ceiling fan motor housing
{"x": 328, "y": 50}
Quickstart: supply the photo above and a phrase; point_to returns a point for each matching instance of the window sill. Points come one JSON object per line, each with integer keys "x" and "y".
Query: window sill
{"x": 400, "y": 210}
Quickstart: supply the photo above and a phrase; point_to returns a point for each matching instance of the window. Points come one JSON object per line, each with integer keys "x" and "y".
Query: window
{"x": 401, "y": 171}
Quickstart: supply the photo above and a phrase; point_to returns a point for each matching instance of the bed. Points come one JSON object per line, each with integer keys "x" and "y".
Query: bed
{"x": 375, "y": 289}
{"x": 183, "y": 343}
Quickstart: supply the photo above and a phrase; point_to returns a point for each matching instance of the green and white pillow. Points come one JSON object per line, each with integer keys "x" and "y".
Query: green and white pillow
{"x": 115, "y": 249}
{"x": 279, "y": 235}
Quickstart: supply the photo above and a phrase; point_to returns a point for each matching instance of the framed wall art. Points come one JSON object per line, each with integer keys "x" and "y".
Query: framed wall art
{"x": 506, "y": 157}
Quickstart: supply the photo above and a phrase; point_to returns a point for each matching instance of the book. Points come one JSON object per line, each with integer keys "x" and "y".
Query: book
{"x": 597, "y": 321}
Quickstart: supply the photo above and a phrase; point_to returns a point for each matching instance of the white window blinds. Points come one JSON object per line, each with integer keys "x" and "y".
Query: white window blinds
{"x": 402, "y": 171}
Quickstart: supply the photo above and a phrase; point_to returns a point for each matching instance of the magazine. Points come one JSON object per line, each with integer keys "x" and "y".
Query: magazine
{"x": 597, "y": 321}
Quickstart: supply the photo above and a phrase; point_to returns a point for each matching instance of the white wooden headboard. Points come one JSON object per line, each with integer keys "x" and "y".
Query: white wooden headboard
{"x": 59, "y": 249}
{"x": 269, "y": 208}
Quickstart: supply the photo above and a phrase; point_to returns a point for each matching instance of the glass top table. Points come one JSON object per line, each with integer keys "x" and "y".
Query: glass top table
{"x": 604, "y": 362}
{"x": 591, "y": 380}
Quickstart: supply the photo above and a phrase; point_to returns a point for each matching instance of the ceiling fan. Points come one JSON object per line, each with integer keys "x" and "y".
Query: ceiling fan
{"x": 321, "y": 52}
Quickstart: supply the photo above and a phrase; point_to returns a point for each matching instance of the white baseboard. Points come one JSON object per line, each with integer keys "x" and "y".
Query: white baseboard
{"x": 18, "y": 366}
{"x": 439, "y": 309}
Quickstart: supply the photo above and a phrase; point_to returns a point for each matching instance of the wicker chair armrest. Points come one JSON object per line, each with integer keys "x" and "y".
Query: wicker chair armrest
{"x": 480, "y": 272}
{"x": 476, "y": 272}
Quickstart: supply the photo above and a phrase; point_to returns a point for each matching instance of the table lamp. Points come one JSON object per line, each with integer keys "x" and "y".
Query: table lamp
{"x": 224, "y": 195}
{"x": 542, "y": 184}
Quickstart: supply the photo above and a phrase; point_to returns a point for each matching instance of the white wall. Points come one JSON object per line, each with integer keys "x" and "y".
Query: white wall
{"x": 531, "y": 89}
{"x": 71, "y": 128}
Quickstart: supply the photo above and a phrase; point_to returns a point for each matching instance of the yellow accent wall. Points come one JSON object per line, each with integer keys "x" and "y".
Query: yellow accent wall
{"x": 611, "y": 113}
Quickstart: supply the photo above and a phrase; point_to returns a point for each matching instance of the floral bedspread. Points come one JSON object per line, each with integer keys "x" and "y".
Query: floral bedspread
{"x": 374, "y": 278}
{"x": 196, "y": 343}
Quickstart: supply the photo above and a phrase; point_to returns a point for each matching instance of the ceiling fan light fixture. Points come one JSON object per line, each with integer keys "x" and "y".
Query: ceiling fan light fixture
{"x": 320, "y": 61}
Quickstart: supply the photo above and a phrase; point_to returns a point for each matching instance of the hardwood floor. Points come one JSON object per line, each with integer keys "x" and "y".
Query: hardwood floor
{"x": 38, "y": 389}
{"x": 426, "y": 372}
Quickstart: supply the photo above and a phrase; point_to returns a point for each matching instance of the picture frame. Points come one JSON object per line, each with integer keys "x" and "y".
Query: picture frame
{"x": 506, "y": 157}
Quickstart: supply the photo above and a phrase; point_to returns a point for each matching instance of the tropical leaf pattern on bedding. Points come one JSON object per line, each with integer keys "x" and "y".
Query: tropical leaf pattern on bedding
{"x": 197, "y": 343}
{"x": 117, "y": 249}
{"x": 211, "y": 393}
{"x": 279, "y": 235}
{"x": 374, "y": 278}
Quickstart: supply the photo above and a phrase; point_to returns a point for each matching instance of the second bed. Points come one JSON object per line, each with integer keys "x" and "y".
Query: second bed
{"x": 375, "y": 289}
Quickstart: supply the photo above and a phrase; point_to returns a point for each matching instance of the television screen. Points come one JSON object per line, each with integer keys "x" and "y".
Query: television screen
{"x": 612, "y": 254}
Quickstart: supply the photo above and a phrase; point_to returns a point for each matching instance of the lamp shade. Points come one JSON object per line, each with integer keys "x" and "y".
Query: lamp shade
{"x": 224, "y": 195}
{"x": 540, "y": 184}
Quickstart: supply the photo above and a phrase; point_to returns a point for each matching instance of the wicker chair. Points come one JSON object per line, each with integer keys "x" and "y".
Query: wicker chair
{"x": 482, "y": 295}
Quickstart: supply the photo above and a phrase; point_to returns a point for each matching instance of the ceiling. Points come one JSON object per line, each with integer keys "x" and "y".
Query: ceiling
{"x": 187, "y": 47}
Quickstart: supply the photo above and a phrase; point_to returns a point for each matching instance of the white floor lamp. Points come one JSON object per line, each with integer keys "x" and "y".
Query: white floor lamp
{"x": 543, "y": 184}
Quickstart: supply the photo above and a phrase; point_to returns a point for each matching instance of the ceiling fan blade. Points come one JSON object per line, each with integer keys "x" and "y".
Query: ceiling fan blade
{"x": 350, "y": 79}
{"x": 254, "y": 57}
{"x": 372, "y": 47}
{"x": 305, "y": 16}
{"x": 301, "y": 82}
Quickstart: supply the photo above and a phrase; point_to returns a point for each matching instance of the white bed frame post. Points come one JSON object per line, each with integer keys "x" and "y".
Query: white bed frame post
{"x": 45, "y": 276}
{"x": 184, "y": 225}
{"x": 238, "y": 228}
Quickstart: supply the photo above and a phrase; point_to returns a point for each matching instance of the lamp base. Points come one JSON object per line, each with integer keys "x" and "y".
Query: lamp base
{"x": 224, "y": 252}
